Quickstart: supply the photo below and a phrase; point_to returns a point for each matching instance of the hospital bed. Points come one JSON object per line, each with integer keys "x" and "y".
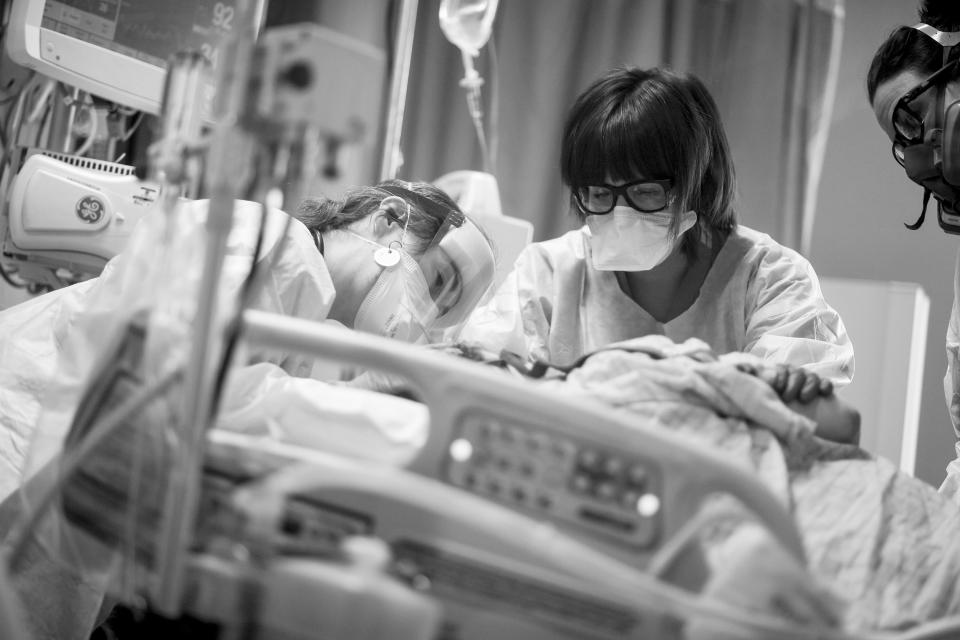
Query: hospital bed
{"x": 521, "y": 504}
{"x": 525, "y": 515}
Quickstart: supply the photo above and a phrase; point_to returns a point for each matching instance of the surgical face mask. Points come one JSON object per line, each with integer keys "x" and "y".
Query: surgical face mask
{"x": 398, "y": 304}
{"x": 627, "y": 240}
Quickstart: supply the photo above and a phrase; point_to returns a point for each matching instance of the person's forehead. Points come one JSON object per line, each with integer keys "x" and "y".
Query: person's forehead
{"x": 617, "y": 183}
{"x": 887, "y": 95}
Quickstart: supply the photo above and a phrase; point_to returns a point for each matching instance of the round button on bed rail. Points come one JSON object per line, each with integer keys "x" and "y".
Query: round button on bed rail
{"x": 613, "y": 466}
{"x": 589, "y": 459}
{"x": 581, "y": 483}
{"x": 648, "y": 505}
{"x": 606, "y": 491}
{"x": 637, "y": 476}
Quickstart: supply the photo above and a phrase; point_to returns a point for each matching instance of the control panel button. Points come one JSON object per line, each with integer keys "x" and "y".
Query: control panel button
{"x": 637, "y": 476}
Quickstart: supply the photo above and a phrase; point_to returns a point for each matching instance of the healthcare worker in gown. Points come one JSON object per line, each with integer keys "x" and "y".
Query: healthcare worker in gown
{"x": 646, "y": 159}
{"x": 913, "y": 87}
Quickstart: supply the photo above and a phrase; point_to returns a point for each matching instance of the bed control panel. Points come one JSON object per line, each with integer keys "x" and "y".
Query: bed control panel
{"x": 558, "y": 477}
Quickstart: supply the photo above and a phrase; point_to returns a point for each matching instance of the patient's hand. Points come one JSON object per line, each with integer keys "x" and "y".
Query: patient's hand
{"x": 810, "y": 395}
{"x": 791, "y": 383}
{"x": 836, "y": 420}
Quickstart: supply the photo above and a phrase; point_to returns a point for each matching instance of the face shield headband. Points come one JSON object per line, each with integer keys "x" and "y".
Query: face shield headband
{"x": 458, "y": 264}
{"x": 931, "y": 158}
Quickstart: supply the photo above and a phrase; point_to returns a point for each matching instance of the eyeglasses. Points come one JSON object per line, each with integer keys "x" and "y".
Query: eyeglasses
{"x": 646, "y": 196}
{"x": 908, "y": 124}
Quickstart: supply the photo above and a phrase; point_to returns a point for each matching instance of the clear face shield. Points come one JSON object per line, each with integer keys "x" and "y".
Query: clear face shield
{"x": 931, "y": 157}
{"x": 427, "y": 298}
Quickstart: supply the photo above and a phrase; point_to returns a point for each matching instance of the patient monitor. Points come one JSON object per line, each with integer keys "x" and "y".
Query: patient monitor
{"x": 115, "y": 49}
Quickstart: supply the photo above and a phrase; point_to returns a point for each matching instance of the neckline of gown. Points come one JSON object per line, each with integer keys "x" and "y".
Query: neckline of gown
{"x": 724, "y": 264}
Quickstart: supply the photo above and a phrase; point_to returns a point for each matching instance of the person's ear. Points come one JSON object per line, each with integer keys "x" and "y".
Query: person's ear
{"x": 387, "y": 219}
{"x": 383, "y": 224}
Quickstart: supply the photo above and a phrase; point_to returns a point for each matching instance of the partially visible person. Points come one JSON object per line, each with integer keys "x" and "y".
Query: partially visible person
{"x": 404, "y": 259}
{"x": 646, "y": 160}
{"x": 396, "y": 259}
{"x": 913, "y": 85}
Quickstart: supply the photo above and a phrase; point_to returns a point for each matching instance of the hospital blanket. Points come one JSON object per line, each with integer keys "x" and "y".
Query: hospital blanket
{"x": 883, "y": 542}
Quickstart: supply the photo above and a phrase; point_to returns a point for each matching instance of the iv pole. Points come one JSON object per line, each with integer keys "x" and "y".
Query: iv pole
{"x": 397, "y": 100}
{"x": 230, "y": 150}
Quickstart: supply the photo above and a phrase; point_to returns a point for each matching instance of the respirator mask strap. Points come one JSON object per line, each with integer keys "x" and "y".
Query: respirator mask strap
{"x": 923, "y": 212}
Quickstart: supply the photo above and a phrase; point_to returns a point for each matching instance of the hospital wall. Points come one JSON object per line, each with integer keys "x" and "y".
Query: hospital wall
{"x": 863, "y": 200}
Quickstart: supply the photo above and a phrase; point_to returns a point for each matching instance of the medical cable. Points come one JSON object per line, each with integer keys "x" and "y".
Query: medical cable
{"x": 233, "y": 328}
{"x": 661, "y": 560}
{"x": 87, "y": 107}
{"x": 41, "y": 105}
{"x": 493, "y": 131}
{"x": 251, "y": 589}
{"x": 5, "y": 170}
{"x": 73, "y": 459}
{"x": 273, "y": 196}
{"x": 133, "y": 127}
{"x": 129, "y": 538}
{"x": 7, "y": 277}
{"x": 475, "y": 110}
{"x": 934, "y": 630}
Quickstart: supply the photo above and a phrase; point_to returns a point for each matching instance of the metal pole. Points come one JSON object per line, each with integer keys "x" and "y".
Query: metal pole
{"x": 397, "y": 100}
{"x": 229, "y": 156}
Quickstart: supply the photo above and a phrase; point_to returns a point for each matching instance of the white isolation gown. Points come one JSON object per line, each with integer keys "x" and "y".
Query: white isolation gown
{"x": 758, "y": 297}
{"x": 951, "y": 387}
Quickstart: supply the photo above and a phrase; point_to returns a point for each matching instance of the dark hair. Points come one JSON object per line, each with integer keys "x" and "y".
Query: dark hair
{"x": 429, "y": 208}
{"x": 657, "y": 124}
{"x": 906, "y": 49}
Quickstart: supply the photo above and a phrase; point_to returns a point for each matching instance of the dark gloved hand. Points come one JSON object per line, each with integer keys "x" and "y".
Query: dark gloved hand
{"x": 791, "y": 383}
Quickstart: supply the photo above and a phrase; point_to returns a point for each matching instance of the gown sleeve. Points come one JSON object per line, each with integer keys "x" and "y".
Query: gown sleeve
{"x": 517, "y": 317}
{"x": 790, "y": 322}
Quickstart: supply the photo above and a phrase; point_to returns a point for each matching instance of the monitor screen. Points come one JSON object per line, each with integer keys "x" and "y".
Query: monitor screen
{"x": 116, "y": 49}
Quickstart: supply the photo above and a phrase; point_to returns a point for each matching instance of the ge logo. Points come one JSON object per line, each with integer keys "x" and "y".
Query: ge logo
{"x": 90, "y": 209}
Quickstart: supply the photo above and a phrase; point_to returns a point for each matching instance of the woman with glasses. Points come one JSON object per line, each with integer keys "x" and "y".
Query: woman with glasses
{"x": 647, "y": 162}
{"x": 913, "y": 85}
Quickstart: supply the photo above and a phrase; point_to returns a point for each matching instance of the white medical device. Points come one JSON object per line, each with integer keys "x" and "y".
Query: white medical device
{"x": 115, "y": 49}
{"x": 67, "y": 216}
{"x": 468, "y": 24}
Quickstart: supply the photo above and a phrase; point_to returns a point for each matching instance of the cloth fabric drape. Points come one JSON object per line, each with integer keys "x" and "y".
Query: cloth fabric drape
{"x": 772, "y": 68}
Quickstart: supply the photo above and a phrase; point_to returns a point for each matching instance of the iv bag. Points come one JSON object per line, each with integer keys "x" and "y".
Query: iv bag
{"x": 468, "y": 23}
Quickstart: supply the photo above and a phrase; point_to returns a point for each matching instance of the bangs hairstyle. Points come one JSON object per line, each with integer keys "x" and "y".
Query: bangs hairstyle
{"x": 634, "y": 123}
